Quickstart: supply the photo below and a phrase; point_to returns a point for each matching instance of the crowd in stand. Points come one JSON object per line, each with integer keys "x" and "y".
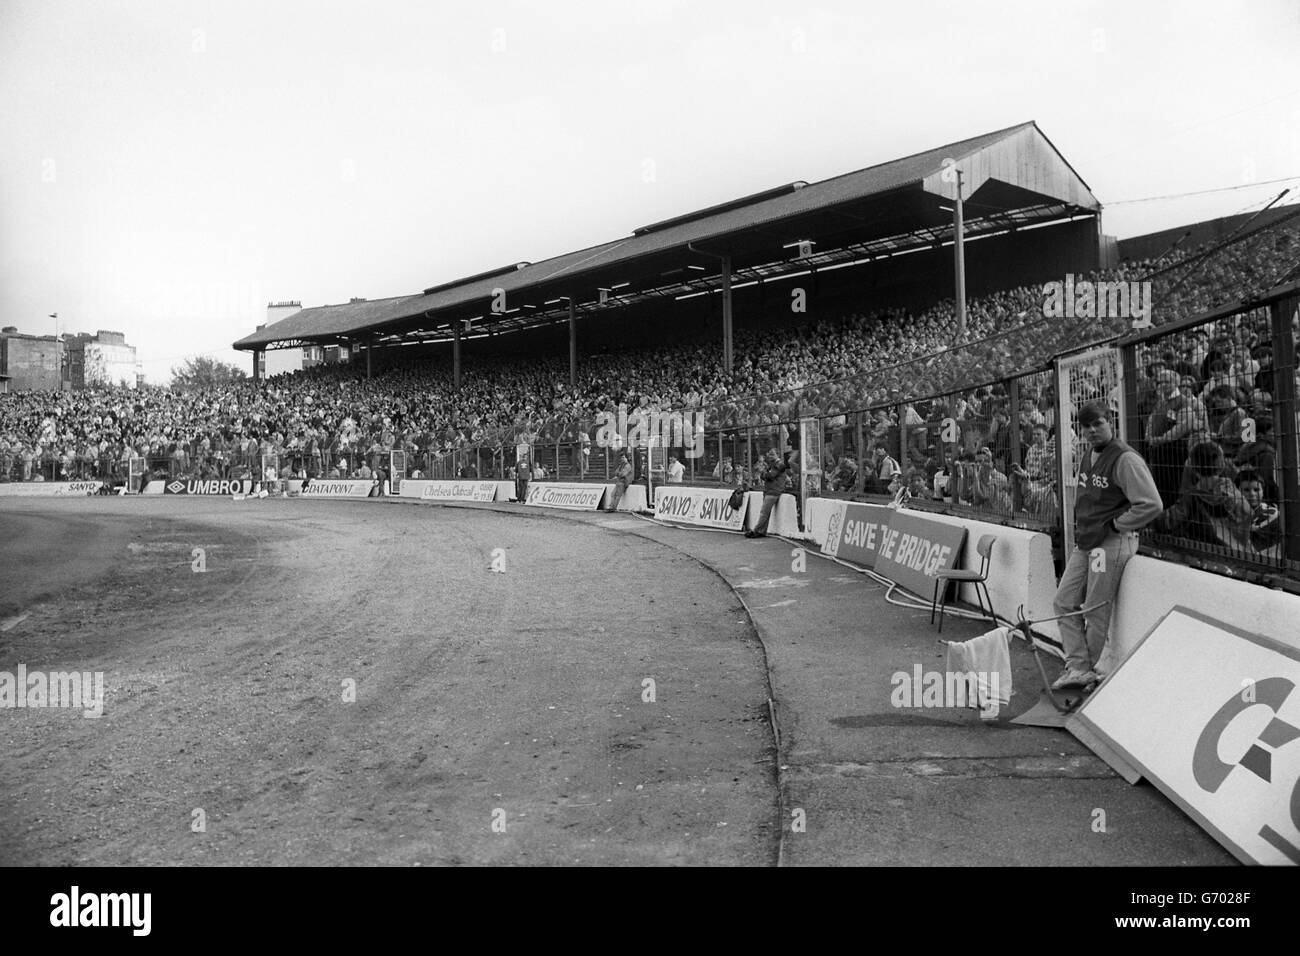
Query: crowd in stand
{"x": 1206, "y": 404}
{"x": 332, "y": 421}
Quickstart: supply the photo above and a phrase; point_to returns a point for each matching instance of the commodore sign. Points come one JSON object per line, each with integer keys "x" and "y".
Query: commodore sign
{"x": 1222, "y": 741}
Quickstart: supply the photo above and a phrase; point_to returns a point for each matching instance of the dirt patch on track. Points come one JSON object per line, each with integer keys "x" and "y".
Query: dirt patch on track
{"x": 498, "y": 717}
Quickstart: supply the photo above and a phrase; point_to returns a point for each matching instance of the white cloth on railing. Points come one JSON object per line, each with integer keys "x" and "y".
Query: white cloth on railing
{"x": 989, "y": 657}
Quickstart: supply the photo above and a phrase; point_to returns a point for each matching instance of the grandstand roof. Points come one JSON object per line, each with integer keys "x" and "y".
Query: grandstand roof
{"x": 1012, "y": 177}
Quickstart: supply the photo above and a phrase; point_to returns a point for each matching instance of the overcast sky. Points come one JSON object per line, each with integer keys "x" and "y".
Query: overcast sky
{"x": 168, "y": 167}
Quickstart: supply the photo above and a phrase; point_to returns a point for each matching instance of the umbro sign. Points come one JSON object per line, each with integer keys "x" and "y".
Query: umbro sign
{"x": 209, "y": 486}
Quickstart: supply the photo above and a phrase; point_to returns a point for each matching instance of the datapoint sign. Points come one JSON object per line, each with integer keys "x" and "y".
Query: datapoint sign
{"x": 1223, "y": 741}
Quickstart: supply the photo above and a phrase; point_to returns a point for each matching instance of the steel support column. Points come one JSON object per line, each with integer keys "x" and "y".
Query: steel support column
{"x": 959, "y": 259}
{"x": 727, "y": 355}
{"x": 573, "y": 345}
{"x": 455, "y": 356}
{"x": 1286, "y": 403}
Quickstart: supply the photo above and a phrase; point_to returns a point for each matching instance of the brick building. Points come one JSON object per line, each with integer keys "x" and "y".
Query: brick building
{"x": 100, "y": 359}
{"x": 44, "y": 362}
{"x": 29, "y": 361}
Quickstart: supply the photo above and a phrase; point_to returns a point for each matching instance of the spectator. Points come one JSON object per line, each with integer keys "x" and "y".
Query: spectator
{"x": 845, "y": 475}
{"x": 1212, "y": 510}
{"x": 886, "y": 466}
{"x": 775, "y": 478}
{"x": 1116, "y": 496}
{"x": 1265, "y": 531}
{"x": 622, "y": 478}
{"x": 725, "y": 472}
{"x": 988, "y": 488}
{"x": 1260, "y": 456}
{"x": 1165, "y": 451}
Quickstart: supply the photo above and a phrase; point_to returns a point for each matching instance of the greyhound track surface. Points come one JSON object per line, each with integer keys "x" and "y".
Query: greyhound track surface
{"x": 499, "y": 718}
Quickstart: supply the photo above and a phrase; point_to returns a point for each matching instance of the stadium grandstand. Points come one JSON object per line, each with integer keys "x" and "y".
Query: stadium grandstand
{"x": 816, "y": 319}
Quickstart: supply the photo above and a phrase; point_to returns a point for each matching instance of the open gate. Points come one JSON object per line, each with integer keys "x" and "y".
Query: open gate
{"x": 811, "y": 438}
{"x": 396, "y": 470}
{"x": 135, "y": 474}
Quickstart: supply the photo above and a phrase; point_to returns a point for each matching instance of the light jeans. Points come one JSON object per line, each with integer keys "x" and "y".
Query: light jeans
{"x": 769, "y": 502}
{"x": 1084, "y": 636}
{"x": 620, "y": 489}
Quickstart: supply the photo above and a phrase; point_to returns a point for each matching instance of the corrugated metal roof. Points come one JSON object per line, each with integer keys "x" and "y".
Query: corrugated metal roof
{"x": 827, "y": 194}
{"x": 341, "y": 319}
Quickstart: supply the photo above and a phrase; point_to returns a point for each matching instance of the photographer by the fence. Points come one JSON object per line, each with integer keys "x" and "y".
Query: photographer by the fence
{"x": 775, "y": 478}
{"x": 1116, "y": 497}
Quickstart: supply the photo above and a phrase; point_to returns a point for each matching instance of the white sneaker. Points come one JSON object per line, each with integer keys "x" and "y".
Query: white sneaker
{"x": 1072, "y": 678}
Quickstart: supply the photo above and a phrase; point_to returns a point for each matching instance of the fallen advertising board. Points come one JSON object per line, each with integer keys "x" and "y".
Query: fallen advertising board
{"x": 1222, "y": 741}
{"x": 571, "y": 497}
{"x": 706, "y": 507}
{"x": 913, "y": 548}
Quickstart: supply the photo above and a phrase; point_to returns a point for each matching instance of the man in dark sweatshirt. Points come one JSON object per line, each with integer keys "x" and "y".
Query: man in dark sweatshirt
{"x": 1116, "y": 497}
{"x": 774, "y": 482}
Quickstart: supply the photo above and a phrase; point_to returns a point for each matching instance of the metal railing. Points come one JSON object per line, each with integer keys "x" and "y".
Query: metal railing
{"x": 1212, "y": 408}
{"x": 1210, "y": 403}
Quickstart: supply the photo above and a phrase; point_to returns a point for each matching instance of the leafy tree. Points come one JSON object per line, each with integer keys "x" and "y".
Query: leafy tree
{"x": 203, "y": 372}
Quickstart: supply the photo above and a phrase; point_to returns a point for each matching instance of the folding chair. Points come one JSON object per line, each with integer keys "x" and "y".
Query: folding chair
{"x": 980, "y": 579}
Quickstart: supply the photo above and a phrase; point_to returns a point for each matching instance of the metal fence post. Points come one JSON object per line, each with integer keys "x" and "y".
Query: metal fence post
{"x": 1284, "y": 412}
{"x": 859, "y": 479}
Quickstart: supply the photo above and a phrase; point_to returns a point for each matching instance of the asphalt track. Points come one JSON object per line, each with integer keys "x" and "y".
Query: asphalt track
{"x": 515, "y": 698}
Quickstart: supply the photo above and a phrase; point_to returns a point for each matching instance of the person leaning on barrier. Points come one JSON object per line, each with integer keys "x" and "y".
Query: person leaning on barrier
{"x": 1116, "y": 497}
{"x": 774, "y": 479}
{"x": 622, "y": 478}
